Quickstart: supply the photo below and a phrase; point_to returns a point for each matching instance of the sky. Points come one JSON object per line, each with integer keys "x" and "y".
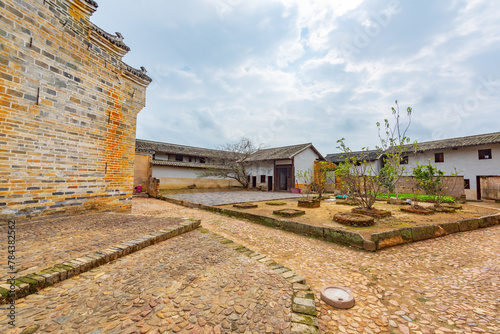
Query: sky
{"x": 285, "y": 72}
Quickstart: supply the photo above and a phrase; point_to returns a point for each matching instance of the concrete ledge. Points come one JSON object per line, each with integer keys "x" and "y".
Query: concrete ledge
{"x": 303, "y": 316}
{"x": 32, "y": 283}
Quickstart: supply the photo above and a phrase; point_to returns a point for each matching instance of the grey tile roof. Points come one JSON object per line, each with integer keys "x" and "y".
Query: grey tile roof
{"x": 286, "y": 152}
{"x": 484, "y": 139}
{"x": 182, "y": 164}
{"x": 371, "y": 155}
{"x": 153, "y": 146}
{"x": 279, "y": 153}
{"x": 489, "y": 138}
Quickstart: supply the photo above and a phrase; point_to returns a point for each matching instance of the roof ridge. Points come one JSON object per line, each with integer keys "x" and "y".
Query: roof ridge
{"x": 163, "y": 143}
{"x": 273, "y": 148}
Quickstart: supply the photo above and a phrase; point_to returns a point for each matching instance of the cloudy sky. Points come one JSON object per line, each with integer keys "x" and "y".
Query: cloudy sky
{"x": 285, "y": 72}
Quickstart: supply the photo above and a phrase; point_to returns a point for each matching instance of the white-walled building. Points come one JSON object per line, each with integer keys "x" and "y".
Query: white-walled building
{"x": 275, "y": 169}
{"x": 179, "y": 166}
{"x": 474, "y": 157}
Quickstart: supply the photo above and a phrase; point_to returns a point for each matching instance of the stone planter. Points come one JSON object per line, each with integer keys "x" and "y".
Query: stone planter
{"x": 372, "y": 213}
{"x": 289, "y": 213}
{"x": 309, "y": 203}
{"x": 354, "y": 219}
{"x": 418, "y": 210}
{"x": 245, "y": 206}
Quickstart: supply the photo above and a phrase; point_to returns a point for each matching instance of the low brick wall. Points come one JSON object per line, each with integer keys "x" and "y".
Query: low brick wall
{"x": 377, "y": 241}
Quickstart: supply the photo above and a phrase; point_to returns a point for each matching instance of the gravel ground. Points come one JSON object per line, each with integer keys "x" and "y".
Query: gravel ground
{"x": 445, "y": 285}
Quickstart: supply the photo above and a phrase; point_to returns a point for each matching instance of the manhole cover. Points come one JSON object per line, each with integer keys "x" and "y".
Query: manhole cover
{"x": 337, "y": 297}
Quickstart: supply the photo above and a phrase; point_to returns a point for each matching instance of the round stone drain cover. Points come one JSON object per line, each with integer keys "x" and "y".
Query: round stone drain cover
{"x": 337, "y": 297}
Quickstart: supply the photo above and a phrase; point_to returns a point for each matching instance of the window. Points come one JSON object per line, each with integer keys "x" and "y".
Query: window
{"x": 466, "y": 184}
{"x": 439, "y": 157}
{"x": 178, "y": 158}
{"x": 190, "y": 159}
{"x": 202, "y": 160}
{"x": 404, "y": 160}
{"x": 262, "y": 179}
{"x": 484, "y": 154}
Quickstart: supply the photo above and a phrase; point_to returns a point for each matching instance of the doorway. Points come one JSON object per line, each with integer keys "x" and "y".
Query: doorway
{"x": 478, "y": 187}
{"x": 254, "y": 181}
{"x": 283, "y": 180}
{"x": 269, "y": 183}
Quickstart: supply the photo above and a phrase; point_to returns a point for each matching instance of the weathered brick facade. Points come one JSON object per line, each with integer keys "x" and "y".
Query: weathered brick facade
{"x": 68, "y": 108}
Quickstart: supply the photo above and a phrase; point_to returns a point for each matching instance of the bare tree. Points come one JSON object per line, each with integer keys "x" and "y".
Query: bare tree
{"x": 394, "y": 147}
{"x": 230, "y": 161}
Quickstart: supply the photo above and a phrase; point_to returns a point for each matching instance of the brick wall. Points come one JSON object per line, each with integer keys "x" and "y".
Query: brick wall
{"x": 68, "y": 108}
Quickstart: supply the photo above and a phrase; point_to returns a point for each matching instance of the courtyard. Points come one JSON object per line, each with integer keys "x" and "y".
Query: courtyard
{"x": 193, "y": 284}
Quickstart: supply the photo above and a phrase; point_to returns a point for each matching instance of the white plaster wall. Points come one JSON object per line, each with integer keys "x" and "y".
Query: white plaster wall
{"x": 176, "y": 172}
{"x": 465, "y": 159}
{"x": 261, "y": 168}
{"x": 305, "y": 160}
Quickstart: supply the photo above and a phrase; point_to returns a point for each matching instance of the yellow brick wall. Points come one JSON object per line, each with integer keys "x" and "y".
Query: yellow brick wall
{"x": 68, "y": 109}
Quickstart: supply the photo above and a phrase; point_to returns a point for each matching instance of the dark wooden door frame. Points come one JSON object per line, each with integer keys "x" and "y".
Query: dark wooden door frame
{"x": 289, "y": 177}
{"x": 478, "y": 187}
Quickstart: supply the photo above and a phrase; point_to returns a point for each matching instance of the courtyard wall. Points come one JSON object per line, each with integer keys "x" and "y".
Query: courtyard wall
{"x": 68, "y": 108}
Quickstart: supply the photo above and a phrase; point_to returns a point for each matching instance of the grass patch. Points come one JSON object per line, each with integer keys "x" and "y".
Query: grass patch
{"x": 420, "y": 197}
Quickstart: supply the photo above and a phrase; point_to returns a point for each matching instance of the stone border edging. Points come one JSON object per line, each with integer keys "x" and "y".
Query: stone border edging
{"x": 303, "y": 317}
{"x": 32, "y": 283}
{"x": 377, "y": 240}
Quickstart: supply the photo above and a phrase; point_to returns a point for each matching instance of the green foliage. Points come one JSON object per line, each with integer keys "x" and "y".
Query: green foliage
{"x": 420, "y": 197}
{"x": 429, "y": 178}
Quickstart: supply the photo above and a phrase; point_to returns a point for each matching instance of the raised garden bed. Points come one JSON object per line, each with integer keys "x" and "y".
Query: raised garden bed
{"x": 455, "y": 206}
{"x": 396, "y": 201}
{"x": 375, "y": 213}
{"x": 418, "y": 210}
{"x": 289, "y": 213}
{"x": 275, "y": 203}
{"x": 309, "y": 203}
{"x": 442, "y": 209}
{"x": 354, "y": 219}
{"x": 245, "y": 206}
{"x": 346, "y": 202}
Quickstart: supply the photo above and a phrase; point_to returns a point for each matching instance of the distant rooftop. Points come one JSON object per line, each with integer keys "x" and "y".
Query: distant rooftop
{"x": 278, "y": 153}
{"x": 476, "y": 140}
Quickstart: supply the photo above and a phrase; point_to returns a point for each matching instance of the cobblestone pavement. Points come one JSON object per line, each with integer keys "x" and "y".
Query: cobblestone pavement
{"x": 189, "y": 284}
{"x": 45, "y": 243}
{"x": 221, "y": 198}
{"x": 445, "y": 285}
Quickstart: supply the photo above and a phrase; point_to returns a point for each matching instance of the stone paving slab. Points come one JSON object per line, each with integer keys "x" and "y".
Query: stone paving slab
{"x": 17, "y": 287}
{"x": 45, "y": 243}
{"x": 233, "y": 197}
{"x": 194, "y": 283}
{"x": 435, "y": 286}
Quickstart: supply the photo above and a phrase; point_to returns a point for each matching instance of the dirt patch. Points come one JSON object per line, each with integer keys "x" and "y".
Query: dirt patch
{"x": 323, "y": 216}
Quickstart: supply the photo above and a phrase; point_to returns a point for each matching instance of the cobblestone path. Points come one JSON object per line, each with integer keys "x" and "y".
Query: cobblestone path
{"x": 231, "y": 197}
{"x": 445, "y": 285}
{"x": 188, "y": 284}
{"x": 45, "y": 243}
